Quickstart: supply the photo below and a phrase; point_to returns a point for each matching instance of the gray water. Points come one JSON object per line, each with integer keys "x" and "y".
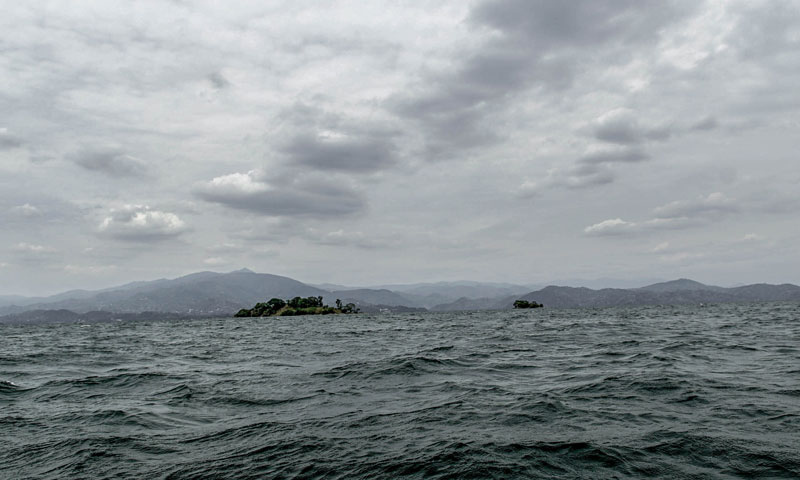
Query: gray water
{"x": 659, "y": 392}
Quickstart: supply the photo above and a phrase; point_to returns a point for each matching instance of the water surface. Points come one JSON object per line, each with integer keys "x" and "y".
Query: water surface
{"x": 660, "y": 392}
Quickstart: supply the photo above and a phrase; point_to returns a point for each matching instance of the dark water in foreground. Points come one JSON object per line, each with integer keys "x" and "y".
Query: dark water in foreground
{"x": 665, "y": 392}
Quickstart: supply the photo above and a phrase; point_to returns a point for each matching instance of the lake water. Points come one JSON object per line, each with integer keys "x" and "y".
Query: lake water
{"x": 658, "y": 392}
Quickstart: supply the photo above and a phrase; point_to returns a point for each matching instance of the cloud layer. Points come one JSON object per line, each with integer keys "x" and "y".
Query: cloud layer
{"x": 398, "y": 141}
{"x": 258, "y": 193}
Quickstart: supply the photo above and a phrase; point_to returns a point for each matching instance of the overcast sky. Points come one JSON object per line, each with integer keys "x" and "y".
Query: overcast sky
{"x": 371, "y": 142}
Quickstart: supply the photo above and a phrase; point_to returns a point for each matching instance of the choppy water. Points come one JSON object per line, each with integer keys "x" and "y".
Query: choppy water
{"x": 663, "y": 392}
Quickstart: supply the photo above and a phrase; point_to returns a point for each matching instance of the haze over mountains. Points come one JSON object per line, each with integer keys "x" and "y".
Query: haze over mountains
{"x": 210, "y": 293}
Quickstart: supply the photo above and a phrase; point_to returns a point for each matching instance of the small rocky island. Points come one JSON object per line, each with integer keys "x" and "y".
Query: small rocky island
{"x": 296, "y": 306}
{"x": 527, "y": 304}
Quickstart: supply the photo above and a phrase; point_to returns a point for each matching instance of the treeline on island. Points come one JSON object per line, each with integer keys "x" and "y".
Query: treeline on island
{"x": 277, "y": 307}
{"x": 527, "y": 304}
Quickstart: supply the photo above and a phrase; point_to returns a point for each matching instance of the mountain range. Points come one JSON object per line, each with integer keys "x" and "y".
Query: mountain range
{"x": 211, "y": 293}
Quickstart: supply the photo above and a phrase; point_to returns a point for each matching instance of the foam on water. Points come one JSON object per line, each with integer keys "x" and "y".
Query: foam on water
{"x": 660, "y": 392}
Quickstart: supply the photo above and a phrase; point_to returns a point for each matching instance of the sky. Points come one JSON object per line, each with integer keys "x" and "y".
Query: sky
{"x": 361, "y": 143}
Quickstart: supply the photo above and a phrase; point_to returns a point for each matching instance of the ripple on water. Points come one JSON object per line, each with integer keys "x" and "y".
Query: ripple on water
{"x": 655, "y": 392}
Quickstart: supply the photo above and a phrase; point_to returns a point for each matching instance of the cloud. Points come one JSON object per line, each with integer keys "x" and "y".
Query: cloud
{"x": 577, "y": 177}
{"x": 752, "y": 237}
{"x": 26, "y": 210}
{"x": 676, "y": 215}
{"x": 341, "y": 153}
{"x": 620, "y": 126}
{"x": 707, "y": 123}
{"x": 590, "y": 170}
{"x": 30, "y": 248}
{"x": 89, "y": 269}
{"x": 536, "y": 46}
{"x": 218, "y": 80}
{"x": 109, "y": 161}
{"x": 661, "y": 247}
{"x": 215, "y": 261}
{"x": 9, "y": 141}
{"x": 615, "y": 226}
{"x": 622, "y": 155}
{"x": 299, "y": 195}
{"x": 140, "y": 223}
{"x": 342, "y": 237}
{"x": 712, "y": 205}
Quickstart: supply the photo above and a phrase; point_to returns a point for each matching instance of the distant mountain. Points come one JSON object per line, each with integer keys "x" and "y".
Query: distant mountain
{"x": 430, "y": 295}
{"x": 199, "y": 293}
{"x": 682, "y": 284}
{"x": 211, "y": 293}
{"x": 676, "y": 292}
{"x": 374, "y": 297}
{"x": 13, "y": 300}
{"x": 668, "y": 293}
{"x": 464, "y": 304}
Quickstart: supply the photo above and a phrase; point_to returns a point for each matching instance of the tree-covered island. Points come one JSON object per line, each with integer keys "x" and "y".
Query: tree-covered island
{"x": 296, "y": 306}
{"x": 527, "y": 304}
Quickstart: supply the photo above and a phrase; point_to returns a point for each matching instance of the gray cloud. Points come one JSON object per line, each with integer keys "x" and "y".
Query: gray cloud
{"x": 603, "y": 107}
{"x": 677, "y": 215}
{"x": 356, "y": 155}
{"x": 300, "y": 195}
{"x": 551, "y": 25}
{"x": 30, "y": 253}
{"x": 713, "y": 205}
{"x": 577, "y": 177}
{"x": 9, "y": 141}
{"x": 707, "y": 123}
{"x": 614, "y": 156}
{"x": 357, "y": 239}
{"x": 109, "y": 161}
{"x": 218, "y": 80}
{"x": 622, "y": 127}
{"x": 590, "y": 170}
{"x": 533, "y": 44}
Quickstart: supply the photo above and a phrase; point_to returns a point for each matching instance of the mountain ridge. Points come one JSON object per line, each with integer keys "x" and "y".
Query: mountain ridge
{"x": 215, "y": 293}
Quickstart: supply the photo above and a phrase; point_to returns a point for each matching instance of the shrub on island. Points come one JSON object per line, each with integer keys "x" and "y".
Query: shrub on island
{"x": 527, "y": 304}
{"x": 276, "y": 307}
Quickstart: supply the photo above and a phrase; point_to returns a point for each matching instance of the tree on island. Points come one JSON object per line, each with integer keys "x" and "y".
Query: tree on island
{"x": 295, "y": 306}
{"x": 527, "y": 304}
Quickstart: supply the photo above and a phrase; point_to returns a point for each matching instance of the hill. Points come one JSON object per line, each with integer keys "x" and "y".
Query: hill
{"x": 200, "y": 293}
{"x": 211, "y": 293}
{"x": 668, "y": 293}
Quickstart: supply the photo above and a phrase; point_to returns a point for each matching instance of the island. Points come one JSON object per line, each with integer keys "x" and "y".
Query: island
{"x": 276, "y": 307}
{"x": 527, "y": 304}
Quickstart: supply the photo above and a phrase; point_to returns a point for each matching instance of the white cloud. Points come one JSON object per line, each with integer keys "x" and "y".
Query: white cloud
{"x": 141, "y": 223}
{"x": 215, "y": 261}
{"x": 89, "y": 269}
{"x": 31, "y": 248}
{"x": 614, "y": 226}
{"x": 296, "y": 194}
{"x": 661, "y": 247}
{"x": 714, "y": 205}
{"x": 676, "y": 215}
{"x": 26, "y": 210}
